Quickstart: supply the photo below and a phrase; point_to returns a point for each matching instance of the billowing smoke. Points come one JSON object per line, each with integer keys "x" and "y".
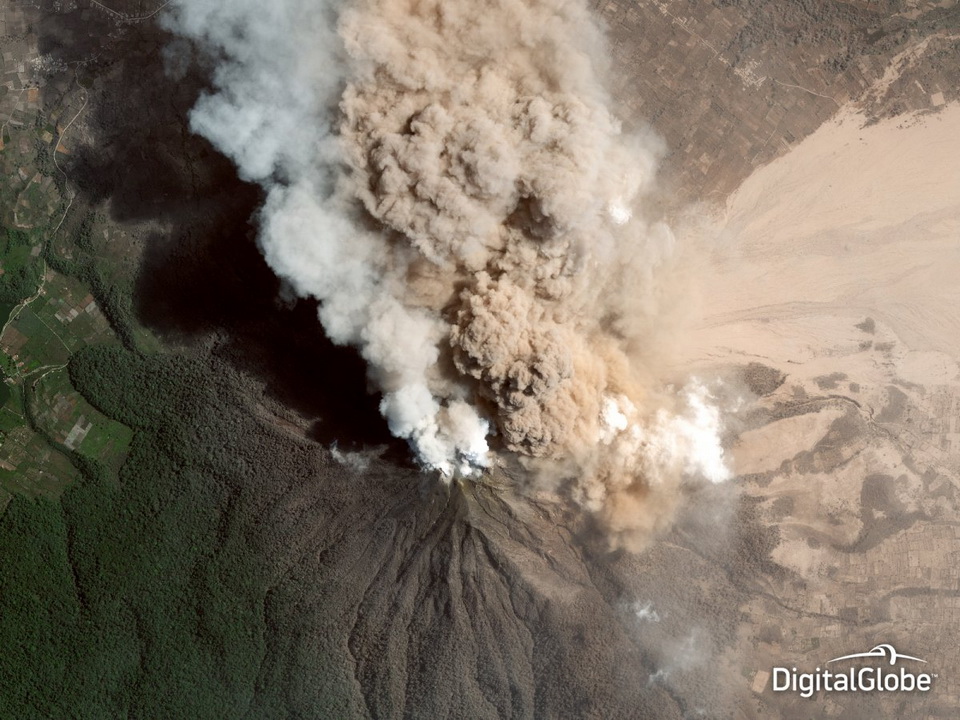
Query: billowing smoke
{"x": 445, "y": 177}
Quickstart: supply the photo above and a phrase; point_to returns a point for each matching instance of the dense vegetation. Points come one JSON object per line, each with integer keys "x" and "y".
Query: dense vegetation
{"x": 21, "y": 269}
{"x": 140, "y": 591}
{"x": 136, "y": 596}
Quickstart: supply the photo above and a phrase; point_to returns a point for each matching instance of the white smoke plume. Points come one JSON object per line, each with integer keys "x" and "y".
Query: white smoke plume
{"x": 645, "y": 612}
{"x": 445, "y": 177}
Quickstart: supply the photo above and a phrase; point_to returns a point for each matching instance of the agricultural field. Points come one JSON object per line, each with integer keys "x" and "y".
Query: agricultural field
{"x": 69, "y": 421}
{"x": 49, "y": 317}
{"x": 48, "y": 312}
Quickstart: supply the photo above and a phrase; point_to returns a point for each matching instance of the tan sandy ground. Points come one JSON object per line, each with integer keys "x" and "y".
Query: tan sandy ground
{"x": 855, "y": 222}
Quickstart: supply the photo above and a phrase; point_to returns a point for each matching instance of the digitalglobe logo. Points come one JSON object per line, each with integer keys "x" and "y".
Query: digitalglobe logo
{"x": 857, "y": 676}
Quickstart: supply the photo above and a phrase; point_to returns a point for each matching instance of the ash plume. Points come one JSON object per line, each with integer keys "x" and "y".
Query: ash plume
{"x": 447, "y": 180}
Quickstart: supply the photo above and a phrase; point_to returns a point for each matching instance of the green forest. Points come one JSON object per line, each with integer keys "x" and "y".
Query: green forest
{"x": 131, "y": 584}
{"x": 134, "y": 585}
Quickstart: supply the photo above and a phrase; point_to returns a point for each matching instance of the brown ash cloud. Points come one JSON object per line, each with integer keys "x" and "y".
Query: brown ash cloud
{"x": 448, "y": 180}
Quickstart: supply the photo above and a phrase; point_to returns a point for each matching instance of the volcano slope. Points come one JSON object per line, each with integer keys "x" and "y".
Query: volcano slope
{"x": 267, "y": 550}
